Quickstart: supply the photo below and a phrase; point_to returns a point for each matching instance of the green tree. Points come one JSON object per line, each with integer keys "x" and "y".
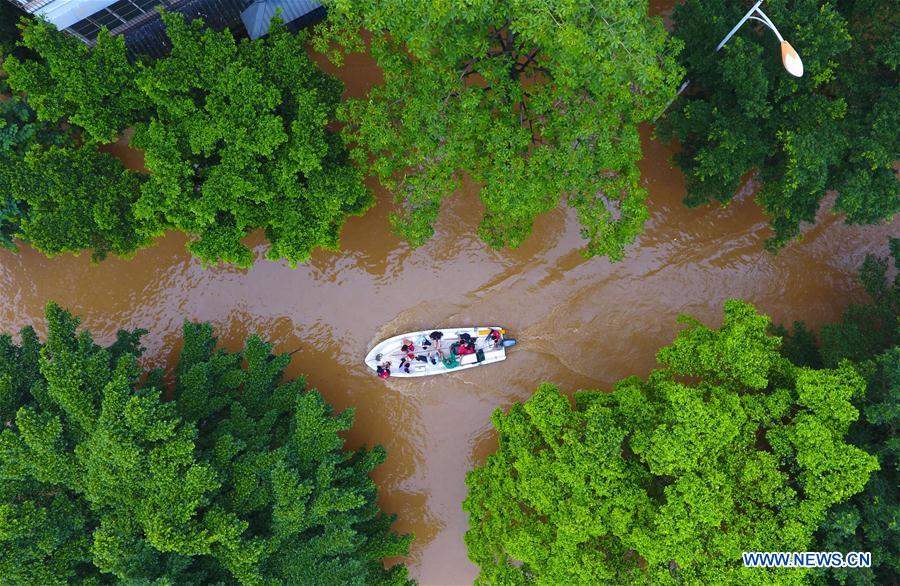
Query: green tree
{"x": 235, "y": 134}
{"x": 91, "y": 88}
{"x": 832, "y": 129}
{"x": 536, "y": 101}
{"x": 76, "y": 199}
{"x": 239, "y": 140}
{"x": 867, "y": 329}
{"x": 56, "y": 192}
{"x": 240, "y": 478}
{"x": 869, "y": 335}
{"x": 19, "y": 131}
{"x": 9, "y": 32}
{"x": 726, "y": 448}
{"x": 870, "y": 520}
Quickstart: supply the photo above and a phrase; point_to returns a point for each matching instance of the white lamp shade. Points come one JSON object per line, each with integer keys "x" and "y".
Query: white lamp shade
{"x": 791, "y": 60}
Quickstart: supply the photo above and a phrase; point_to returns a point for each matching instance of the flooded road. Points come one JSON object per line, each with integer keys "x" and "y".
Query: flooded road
{"x": 581, "y": 323}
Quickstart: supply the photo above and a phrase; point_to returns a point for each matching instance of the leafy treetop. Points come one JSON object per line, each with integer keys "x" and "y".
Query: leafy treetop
{"x": 19, "y": 132}
{"x": 727, "y": 448}
{"x": 832, "y": 129}
{"x": 93, "y": 88}
{"x": 534, "y": 100}
{"x": 239, "y": 140}
{"x": 240, "y": 478}
{"x": 235, "y": 134}
{"x": 868, "y": 334}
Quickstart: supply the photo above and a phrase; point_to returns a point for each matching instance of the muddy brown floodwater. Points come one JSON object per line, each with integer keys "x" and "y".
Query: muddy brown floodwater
{"x": 581, "y": 323}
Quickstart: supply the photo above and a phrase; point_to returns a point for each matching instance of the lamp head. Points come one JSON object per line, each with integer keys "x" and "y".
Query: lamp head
{"x": 791, "y": 60}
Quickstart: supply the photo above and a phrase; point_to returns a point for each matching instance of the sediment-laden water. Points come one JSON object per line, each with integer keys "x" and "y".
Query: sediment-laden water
{"x": 581, "y": 323}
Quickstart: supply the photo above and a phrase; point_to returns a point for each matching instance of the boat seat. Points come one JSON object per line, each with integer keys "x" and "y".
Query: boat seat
{"x": 467, "y": 359}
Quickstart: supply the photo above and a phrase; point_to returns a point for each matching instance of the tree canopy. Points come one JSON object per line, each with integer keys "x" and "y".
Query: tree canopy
{"x": 535, "y": 101}
{"x": 79, "y": 199}
{"x": 9, "y": 31}
{"x": 62, "y": 197}
{"x": 727, "y": 448}
{"x": 239, "y": 478}
{"x": 235, "y": 134}
{"x": 868, "y": 334}
{"x": 832, "y": 129}
{"x": 92, "y": 88}
{"x": 19, "y": 131}
{"x": 239, "y": 140}
{"x": 869, "y": 520}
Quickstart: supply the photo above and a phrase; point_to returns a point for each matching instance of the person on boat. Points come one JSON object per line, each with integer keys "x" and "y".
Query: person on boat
{"x": 409, "y": 354}
{"x": 494, "y": 336}
{"x": 467, "y": 347}
{"x": 384, "y": 370}
{"x": 433, "y": 345}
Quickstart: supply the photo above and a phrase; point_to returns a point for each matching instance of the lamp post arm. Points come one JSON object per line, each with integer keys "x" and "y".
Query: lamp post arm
{"x": 788, "y": 56}
{"x": 738, "y": 25}
{"x": 763, "y": 18}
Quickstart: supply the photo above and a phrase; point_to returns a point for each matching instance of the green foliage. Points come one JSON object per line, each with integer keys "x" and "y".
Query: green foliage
{"x": 832, "y": 129}
{"x": 92, "y": 88}
{"x": 9, "y": 32}
{"x": 534, "y": 100}
{"x": 726, "y": 448}
{"x": 799, "y": 345}
{"x": 869, "y": 334}
{"x": 241, "y": 478}
{"x": 870, "y": 520}
{"x": 867, "y": 328}
{"x": 77, "y": 199}
{"x": 58, "y": 196}
{"x": 235, "y": 135}
{"x": 63, "y": 198}
{"x": 19, "y": 131}
{"x": 238, "y": 140}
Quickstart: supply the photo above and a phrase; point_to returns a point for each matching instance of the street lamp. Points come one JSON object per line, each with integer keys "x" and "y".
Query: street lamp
{"x": 789, "y": 56}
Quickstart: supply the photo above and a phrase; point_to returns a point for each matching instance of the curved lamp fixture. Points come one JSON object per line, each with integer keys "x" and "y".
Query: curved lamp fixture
{"x": 789, "y": 56}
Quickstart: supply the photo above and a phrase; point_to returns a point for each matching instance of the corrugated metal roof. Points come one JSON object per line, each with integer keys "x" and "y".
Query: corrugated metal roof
{"x": 65, "y": 13}
{"x": 259, "y": 14}
{"x": 150, "y": 38}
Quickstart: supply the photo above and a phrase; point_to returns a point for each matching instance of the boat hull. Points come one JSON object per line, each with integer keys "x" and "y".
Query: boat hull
{"x": 389, "y": 350}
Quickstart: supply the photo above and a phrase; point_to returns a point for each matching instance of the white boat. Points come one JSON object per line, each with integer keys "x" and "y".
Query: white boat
{"x": 438, "y": 357}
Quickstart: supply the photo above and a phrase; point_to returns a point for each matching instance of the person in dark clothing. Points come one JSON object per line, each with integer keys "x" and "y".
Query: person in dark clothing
{"x": 466, "y": 347}
{"x": 384, "y": 370}
{"x": 408, "y": 349}
{"x": 434, "y": 343}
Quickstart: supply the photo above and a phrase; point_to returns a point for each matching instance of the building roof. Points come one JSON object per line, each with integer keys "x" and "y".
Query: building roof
{"x": 258, "y": 15}
{"x": 65, "y": 13}
{"x": 147, "y": 36}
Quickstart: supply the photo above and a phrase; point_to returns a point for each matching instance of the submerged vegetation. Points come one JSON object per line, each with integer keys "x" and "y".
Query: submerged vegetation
{"x": 868, "y": 335}
{"x": 833, "y": 129}
{"x": 747, "y": 437}
{"x": 235, "y": 137}
{"x": 729, "y": 447}
{"x": 537, "y": 102}
{"x": 228, "y": 475}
